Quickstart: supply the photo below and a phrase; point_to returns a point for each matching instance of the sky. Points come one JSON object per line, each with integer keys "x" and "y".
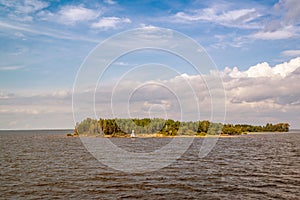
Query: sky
{"x": 255, "y": 46}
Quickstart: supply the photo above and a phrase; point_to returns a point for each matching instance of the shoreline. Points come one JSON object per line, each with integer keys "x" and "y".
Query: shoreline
{"x": 177, "y": 136}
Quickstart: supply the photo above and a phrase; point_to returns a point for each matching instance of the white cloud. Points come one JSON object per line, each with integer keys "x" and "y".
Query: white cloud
{"x": 291, "y": 8}
{"x": 264, "y": 94}
{"x": 286, "y": 22}
{"x": 62, "y": 93}
{"x": 45, "y": 31}
{"x": 32, "y": 6}
{"x": 148, "y": 27}
{"x": 283, "y": 33}
{"x": 110, "y": 2}
{"x": 277, "y": 86}
{"x": 22, "y": 10}
{"x": 31, "y": 109}
{"x": 20, "y": 110}
{"x": 291, "y": 53}
{"x": 122, "y": 63}
{"x": 258, "y": 95}
{"x": 25, "y": 6}
{"x": 10, "y": 68}
{"x": 239, "y": 18}
{"x": 110, "y": 22}
{"x": 72, "y": 14}
{"x": 265, "y": 70}
{"x": 20, "y": 35}
{"x": 4, "y": 95}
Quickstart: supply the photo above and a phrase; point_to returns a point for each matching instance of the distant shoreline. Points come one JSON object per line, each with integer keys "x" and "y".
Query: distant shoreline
{"x": 159, "y": 127}
{"x": 178, "y": 136}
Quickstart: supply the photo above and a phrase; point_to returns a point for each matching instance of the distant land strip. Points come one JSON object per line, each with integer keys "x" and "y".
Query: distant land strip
{"x": 162, "y": 127}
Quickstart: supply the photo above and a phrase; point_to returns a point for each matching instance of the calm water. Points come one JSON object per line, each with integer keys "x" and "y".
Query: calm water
{"x": 48, "y": 165}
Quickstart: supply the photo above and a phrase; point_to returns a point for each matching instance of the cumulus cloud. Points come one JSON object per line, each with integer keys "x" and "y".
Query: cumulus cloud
{"x": 258, "y": 95}
{"x": 264, "y": 93}
{"x": 265, "y": 70}
{"x": 110, "y": 22}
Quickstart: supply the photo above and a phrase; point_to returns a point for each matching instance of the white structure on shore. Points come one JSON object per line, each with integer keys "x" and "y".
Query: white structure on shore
{"x": 132, "y": 135}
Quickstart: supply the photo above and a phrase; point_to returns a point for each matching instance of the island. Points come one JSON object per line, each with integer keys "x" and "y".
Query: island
{"x": 158, "y": 127}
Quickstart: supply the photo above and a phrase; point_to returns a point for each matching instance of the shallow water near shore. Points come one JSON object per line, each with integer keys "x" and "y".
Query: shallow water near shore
{"x": 48, "y": 165}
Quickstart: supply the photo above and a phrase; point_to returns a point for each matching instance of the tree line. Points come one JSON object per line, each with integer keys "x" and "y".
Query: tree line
{"x": 169, "y": 127}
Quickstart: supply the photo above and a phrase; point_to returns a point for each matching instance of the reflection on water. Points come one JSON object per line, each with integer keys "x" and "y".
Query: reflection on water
{"x": 47, "y": 164}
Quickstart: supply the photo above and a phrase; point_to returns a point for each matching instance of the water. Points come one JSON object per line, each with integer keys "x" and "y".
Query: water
{"x": 49, "y": 165}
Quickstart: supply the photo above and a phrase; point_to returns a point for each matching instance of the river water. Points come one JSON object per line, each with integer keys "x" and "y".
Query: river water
{"x": 49, "y": 165}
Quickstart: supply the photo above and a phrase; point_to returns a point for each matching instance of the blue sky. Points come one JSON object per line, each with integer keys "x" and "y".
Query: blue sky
{"x": 43, "y": 44}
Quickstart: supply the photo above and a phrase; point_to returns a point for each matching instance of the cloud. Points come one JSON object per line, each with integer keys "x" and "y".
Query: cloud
{"x": 291, "y": 7}
{"x": 291, "y": 53}
{"x": 264, "y": 94}
{"x": 70, "y": 15}
{"x": 10, "y": 68}
{"x": 122, "y": 63}
{"x": 20, "y": 110}
{"x": 30, "y": 6}
{"x": 238, "y": 18}
{"x": 283, "y": 33}
{"x": 265, "y": 70}
{"x": 45, "y": 32}
{"x": 284, "y": 23}
{"x": 110, "y": 22}
{"x": 276, "y": 86}
{"x": 64, "y": 93}
{"x": 20, "y": 35}
{"x": 4, "y": 95}
{"x": 23, "y": 10}
{"x": 32, "y": 109}
{"x": 229, "y": 40}
{"x": 110, "y": 2}
{"x": 258, "y": 95}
